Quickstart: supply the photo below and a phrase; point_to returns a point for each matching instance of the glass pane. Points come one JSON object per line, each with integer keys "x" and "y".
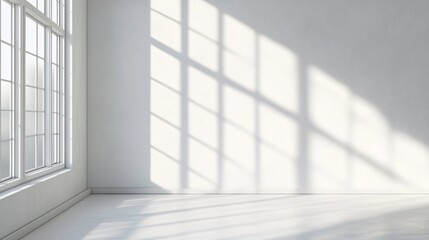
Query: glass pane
{"x": 40, "y": 123}
{"x": 30, "y": 99}
{"x": 54, "y": 48}
{"x": 54, "y": 103}
{"x": 30, "y": 123}
{"x": 54, "y": 78}
{"x": 63, "y": 14}
{"x": 40, "y": 100}
{"x": 6, "y": 22}
{"x": 40, "y": 73}
{"x": 6, "y": 125}
{"x": 6, "y": 61}
{"x": 30, "y": 70}
{"x": 41, "y": 5}
{"x": 40, "y": 40}
{"x": 30, "y": 35}
{"x": 54, "y": 123}
{"x": 54, "y": 11}
{"x": 6, "y": 95}
{"x": 40, "y": 151}
{"x": 30, "y": 153}
{"x": 55, "y": 148}
{"x": 5, "y": 160}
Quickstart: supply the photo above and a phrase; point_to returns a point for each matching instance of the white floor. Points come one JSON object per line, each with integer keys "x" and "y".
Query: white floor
{"x": 202, "y": 217}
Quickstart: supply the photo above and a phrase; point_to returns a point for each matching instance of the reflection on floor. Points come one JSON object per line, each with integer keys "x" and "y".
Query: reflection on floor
{"x": 308, "y": 217}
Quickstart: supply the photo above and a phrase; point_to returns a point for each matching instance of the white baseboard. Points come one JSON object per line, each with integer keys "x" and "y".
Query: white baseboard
{"x": 158, "y": 190}
{"x": 48, "y": 216}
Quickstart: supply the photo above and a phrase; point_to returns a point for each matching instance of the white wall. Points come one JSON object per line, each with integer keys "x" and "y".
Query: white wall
{"x": 258, "y": 96}
{"x": 24, "y": 204}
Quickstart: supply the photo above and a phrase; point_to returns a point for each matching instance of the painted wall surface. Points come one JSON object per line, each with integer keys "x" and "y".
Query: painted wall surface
{"x": 23, "y": 204}
{"x": 259, "y": 96}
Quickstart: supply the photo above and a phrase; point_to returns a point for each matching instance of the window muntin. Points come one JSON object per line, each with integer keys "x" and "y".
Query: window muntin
{"x": 32, "y": 136}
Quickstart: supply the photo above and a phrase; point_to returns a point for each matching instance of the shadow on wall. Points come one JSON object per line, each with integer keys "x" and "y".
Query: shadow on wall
{"x": 284, "y": 96}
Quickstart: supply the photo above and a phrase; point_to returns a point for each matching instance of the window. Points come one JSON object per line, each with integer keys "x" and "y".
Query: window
{"x": 7, "y": 88}
{"x": 32, "y": 133}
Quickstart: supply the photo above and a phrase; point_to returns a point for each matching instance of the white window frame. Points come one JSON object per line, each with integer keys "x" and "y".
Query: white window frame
{"x": 22, "y": 8}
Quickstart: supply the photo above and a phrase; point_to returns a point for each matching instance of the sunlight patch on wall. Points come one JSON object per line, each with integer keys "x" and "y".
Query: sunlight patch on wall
{"x": 279, "y": 131}
{"x": 160, "y": 61}
{"x": 410, "y": 160}
{"x": 278, "y": 74}
{"x": 170, "y": 8}
{"x": 328, "y": 164}
{"x": 239, "y": 159}
{"x": 203, "y": 51}
{"x": 278, "y": 149}
{"x": 165, "y": 103}
{"x": 239, "y": 49}
{"x": 165, "y": 152}
{"x": 204, "y": 19}
{"x": 203, "y": 125}
{"x": 370, "y": 133}
{"x": 329, "y": 104}
{"x": 203, "y": 166}
{"x": 240, "y": 109}
{"x": 165, "y": 30}
{"x": 366, "y": 176}
{"x": 277, "y": 170}
{"x": 203, "y": 89}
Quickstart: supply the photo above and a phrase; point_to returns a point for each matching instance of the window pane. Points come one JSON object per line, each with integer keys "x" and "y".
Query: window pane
{"x": 6, "y": 95}
{"x": 40, "y": 40}
{"x": 40, "y": 100}
{"x": 30, "y": 99}
{"x": 30, "y": 153}
{"x": 54, "y": 78}
{"x": 30, "y": 35}
{"x": 30, "y": 123}
{"x": 54, "y": 123}
{"x": 41, "y": 5}
{"x": 6, "y": 61}
{"x": 6, "y": 22}
{"x": 40, "y": 151}
{"x": 40, "y": 73}
{"x": 6, "y": 125}
{"x": 54, "y": 102}
{"x": 30, "y": 70}
{"x": 54, "y": 48}
{"x": 40, "y": 123}
{"x": 55, "y": 149}
{"x": 5, "y": 160}
{"x": 54, "y": 14}
{"x": 63, "y": 14}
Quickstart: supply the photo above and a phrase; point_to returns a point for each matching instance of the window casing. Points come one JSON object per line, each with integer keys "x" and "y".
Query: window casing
{"x": 32, "y": 87}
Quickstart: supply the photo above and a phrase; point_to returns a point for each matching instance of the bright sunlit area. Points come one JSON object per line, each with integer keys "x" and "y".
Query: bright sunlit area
{"x": 214, "y": 119}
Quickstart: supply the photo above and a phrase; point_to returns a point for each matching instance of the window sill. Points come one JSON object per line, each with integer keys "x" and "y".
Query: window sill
{"x": 14, "y": 186}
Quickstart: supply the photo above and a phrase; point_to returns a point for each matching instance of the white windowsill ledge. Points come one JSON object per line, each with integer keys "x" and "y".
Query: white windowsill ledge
{"x": 20, "y": 187}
